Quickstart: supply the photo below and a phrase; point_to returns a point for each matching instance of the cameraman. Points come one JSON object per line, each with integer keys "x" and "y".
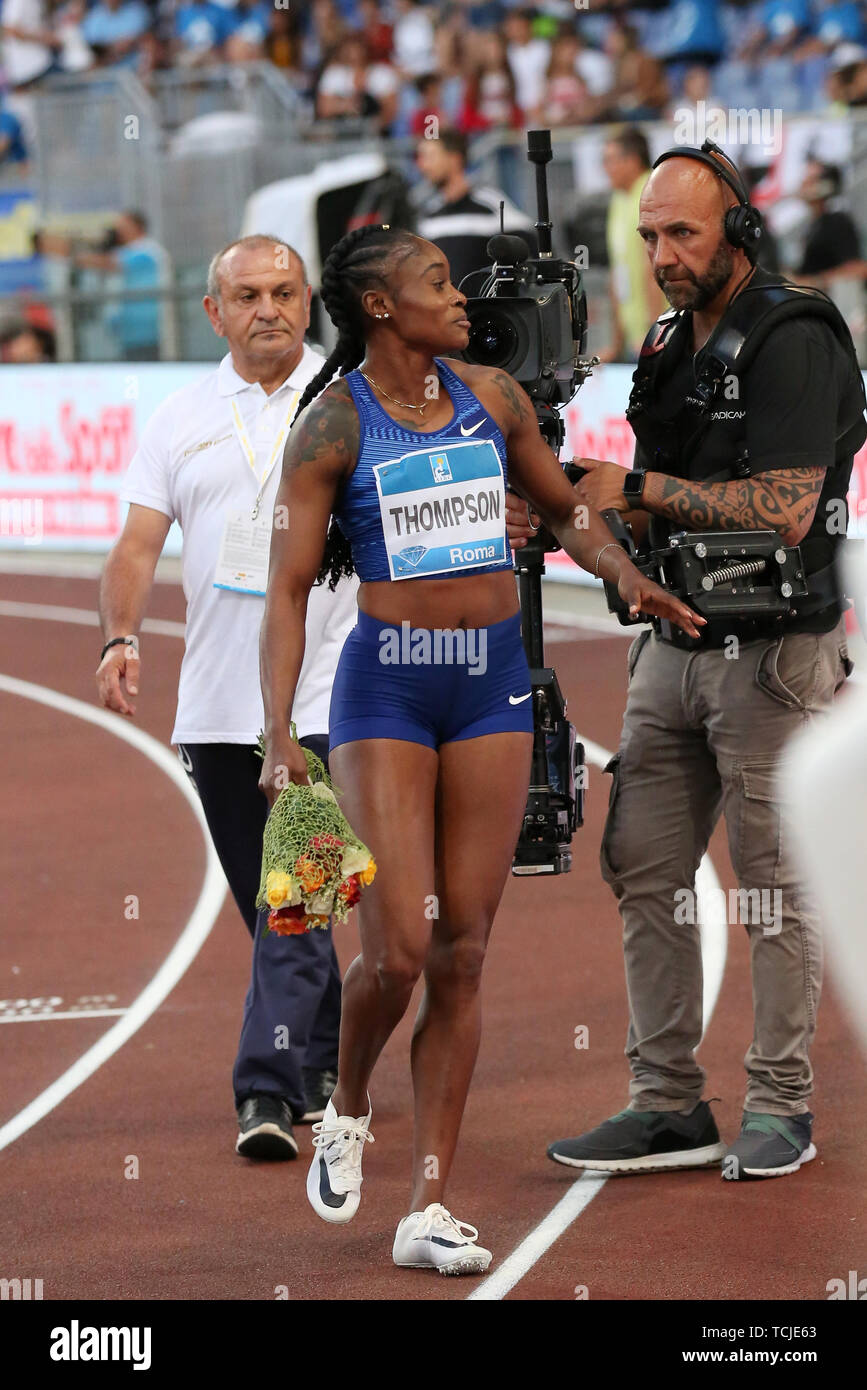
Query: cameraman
{"x": 704, "y": 725}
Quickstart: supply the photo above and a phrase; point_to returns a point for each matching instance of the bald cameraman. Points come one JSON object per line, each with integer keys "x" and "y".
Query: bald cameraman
{"x": 767, "y": 447}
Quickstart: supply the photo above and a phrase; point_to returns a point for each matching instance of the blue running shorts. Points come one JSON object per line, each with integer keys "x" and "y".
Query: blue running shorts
{"x": 430, "y": 686}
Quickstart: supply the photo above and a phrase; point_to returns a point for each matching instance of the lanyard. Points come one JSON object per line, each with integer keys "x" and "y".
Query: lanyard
{"x": 249, "y": 453}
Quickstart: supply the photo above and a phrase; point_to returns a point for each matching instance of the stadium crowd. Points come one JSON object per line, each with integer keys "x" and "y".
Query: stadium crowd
{"x": 475, "y": 64}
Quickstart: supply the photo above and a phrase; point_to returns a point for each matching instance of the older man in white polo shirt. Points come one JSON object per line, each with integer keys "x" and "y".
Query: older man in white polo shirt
{"x": 210, "y": 458}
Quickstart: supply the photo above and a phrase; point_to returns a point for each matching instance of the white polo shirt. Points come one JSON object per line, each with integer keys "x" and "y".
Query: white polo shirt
{"x": 190, "y": 465}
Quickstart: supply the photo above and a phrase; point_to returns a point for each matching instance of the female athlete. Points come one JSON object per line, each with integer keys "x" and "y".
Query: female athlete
{"x": 411, "y": 450}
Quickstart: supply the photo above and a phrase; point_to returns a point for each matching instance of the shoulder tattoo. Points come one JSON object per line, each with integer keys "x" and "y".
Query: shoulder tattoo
{"x": 328, "y": 427}
{"x": 511, "y": 394}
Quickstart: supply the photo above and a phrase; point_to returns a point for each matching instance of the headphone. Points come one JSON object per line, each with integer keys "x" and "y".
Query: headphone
{"x": 742, "y": 225}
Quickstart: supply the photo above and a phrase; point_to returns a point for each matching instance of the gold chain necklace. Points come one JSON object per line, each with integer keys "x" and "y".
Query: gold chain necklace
{"x": 404, "y": 404}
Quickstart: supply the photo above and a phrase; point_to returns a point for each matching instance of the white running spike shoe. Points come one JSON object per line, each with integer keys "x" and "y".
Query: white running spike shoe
{"x": 334, "y": 1179}
{"x": 433, "y": 1239}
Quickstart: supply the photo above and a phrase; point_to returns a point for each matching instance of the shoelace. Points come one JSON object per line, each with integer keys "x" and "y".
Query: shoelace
{"x": 350, "y": 1138}
{"x": 436, "y": 1218}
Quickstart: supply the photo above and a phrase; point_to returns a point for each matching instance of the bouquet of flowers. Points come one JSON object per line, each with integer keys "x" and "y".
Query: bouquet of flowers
{"x": 313, "y": 864}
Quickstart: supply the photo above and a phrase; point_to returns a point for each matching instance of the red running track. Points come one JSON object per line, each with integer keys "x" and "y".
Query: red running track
{"x": 87, "y": 821}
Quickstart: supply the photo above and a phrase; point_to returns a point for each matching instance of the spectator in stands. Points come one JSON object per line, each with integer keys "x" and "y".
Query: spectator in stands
{"x": 75, "y": 53}
{"x": 199, "y": 33}
{"x": 113, "y": 29}
{"x": 325, "y": 28}
{"x": 490, "y": 101}
{"x": 696, "y": 94}
{"x": 283, "y": 41}
{"x": 352, "y": 88}
{"x": 640, "y": 88}
{"x": 377, "y": 33}
{"x": 565, "y": 97}
{"x": 636, "y": 299}
{"x": 12, "y": 148}
{"x": 29, "y": 49}
{"x": 28, "y": 343}
{"x": 29, "y": 43}
{"x": 781, "y": 26}
{"x": 460, "y": 218}
{"x": 153, "y": 56}
{"x": 528, "y": 58}
{"x": 247, "y": 27}
{"x": 595, "y": 67}
{"x": 833, "y": 25}
{"x": 413, "y": 38}
{"x": 429, "y": 114}
{"x": 846, "y": 83}
{"x": 832, "y": 247}
{"x": 695, "y": 33}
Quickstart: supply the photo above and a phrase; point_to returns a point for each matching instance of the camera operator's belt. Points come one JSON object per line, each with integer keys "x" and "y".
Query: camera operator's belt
{"x": 443, "y": 510}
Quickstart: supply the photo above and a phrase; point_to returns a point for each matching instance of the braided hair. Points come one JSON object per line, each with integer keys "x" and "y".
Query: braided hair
{"x": 359, "y": 261}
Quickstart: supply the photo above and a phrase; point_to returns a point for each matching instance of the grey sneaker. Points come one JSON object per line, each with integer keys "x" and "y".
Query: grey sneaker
{"x": 770, "y": 1146}
{"x": 645, "y": 1141}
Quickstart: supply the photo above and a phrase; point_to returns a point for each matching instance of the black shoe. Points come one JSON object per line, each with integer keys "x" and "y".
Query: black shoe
{"x": 645, "y": 1141}
{"x": 318, "y": 1086}
{"x": 265, "y": 1128}
{"x": 769, "y": 1146}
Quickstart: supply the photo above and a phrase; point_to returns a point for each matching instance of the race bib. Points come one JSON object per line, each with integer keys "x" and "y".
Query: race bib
{"x": 242, "y": 564}
{"x": 443, "y": 510}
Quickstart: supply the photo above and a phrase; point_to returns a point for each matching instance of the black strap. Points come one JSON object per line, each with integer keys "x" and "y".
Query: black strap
{"x": 118, "y": 642}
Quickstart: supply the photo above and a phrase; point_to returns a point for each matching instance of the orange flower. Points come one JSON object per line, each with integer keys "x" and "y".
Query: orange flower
{"x": 369, "y": 874}
{"x": 310, "y": 874}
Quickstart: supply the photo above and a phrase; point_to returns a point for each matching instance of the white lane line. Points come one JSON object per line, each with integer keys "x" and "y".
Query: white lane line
{"x": 75, "y": 1013}
{"x": 88, "y": 617}
{"x": 714, "y": 944}
{"x": 540, "y": 1240}
{"x": 168, "y": 570}
{"x": 188, "y": 944}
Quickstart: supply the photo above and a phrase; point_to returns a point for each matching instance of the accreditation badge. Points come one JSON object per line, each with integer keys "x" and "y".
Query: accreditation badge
{"x": 443, "y": 509}
{"x": 242, "y": 563}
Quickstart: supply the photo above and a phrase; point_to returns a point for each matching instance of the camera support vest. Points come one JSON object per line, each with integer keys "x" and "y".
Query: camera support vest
{"x": 728, "y": 353}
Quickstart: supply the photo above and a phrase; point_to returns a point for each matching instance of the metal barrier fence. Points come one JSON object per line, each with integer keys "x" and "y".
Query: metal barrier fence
{"x": 104, "y": 142}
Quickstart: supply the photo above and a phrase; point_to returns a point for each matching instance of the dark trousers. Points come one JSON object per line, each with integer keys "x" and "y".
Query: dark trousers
{"x": 292, "y": 1009}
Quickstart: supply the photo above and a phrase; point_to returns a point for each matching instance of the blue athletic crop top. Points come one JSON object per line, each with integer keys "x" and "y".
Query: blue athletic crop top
{"x": 418, "y": 505}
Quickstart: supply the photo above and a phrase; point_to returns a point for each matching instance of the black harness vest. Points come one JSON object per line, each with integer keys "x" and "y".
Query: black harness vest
{"x": 728, "y": 354}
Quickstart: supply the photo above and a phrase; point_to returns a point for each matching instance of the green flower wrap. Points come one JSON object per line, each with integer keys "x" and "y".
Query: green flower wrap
{"x": 313, "y": 864}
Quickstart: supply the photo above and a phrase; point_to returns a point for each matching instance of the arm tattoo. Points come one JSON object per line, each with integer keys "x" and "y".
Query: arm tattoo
{"x": 511, "y": 396}
{"x": 329, "y": 426}
{"x": 783, "y": 500}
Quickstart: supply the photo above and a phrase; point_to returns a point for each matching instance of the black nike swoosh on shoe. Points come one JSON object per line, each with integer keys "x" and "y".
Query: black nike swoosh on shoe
{"x": 331, "y": 1199}
{"x": 438, "y": 1240}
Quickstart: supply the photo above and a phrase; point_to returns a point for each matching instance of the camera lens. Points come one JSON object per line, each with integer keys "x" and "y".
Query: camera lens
{"x": 493, "y": 340}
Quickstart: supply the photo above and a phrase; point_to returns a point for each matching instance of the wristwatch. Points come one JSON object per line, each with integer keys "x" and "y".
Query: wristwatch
{"x": 633, "y": 484}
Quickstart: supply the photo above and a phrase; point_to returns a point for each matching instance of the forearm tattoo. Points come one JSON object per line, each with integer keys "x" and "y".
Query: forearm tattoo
{"x": 783, "y": 501}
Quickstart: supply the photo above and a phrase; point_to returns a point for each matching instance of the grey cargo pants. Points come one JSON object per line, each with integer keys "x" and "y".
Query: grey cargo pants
{"x": 701, "y": 734}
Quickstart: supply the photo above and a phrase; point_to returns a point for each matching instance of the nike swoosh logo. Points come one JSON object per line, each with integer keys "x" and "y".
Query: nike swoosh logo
{"x": 476, "y": 426}
{"x": 518, "y": 699}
